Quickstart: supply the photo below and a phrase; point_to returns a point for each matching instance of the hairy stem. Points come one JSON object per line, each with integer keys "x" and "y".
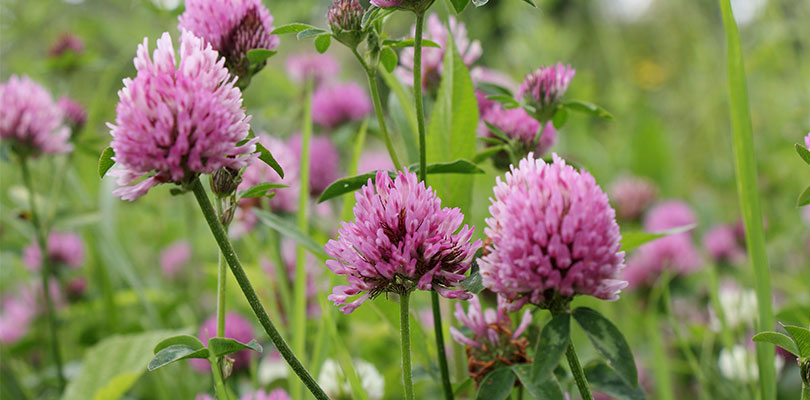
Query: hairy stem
{"x": 576, "y": 371}
{"x": 437, "y": 328}
{"x": 45, "y": 273}
{"x": 219, "y": 382}
{"x": 405, "y": 344}
{"x": 417, "y": 94}
{"x": 250, "y": 294}
{"x": 221, "y": 279}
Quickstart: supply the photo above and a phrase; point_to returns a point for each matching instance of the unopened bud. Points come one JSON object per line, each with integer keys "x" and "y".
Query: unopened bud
{"x": 345, "y": 19}
{"x": 224, "y": 181}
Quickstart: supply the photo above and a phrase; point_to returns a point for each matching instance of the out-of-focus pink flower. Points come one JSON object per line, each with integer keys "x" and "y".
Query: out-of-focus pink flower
{"x": 432, "y": 57}
{"x": 336, "y": 104}
{"x": 277, "y": 394}
{"x": 204, "y": 396}
{"x": 318, "y": 67}
{"x": 485, "y": 75}
{"x": 553, "y": 233}
{"x": 66, "y": 42}
{"x": 76, "y": 288}
{"x": 674, "y": 252}
{"x": 177, "y": 119}
{"x": 16, "y": 313}
{"x": 402, "y": 239}
{"x": 174, "y": 258}
{"x": 237, "y": 328}
{"x": 324, "y": 161}
{"x": 374, "y": 159}
{"x": 233, "y": 28}
{"x": 30, "y": 118}
{"x": 410, "y": 5}
{"x": 721, "y": 243}
{"x": 74, "y": 113}
{"x": 807, "y": 141}
{"x": 544, "y": 87}
{"x": 285, "y": 199}
{"x": 311, "y": 266}
{"x": 66, "y": 249}
{"x": 632, "y": 196}
{"x": 517, "y": 124}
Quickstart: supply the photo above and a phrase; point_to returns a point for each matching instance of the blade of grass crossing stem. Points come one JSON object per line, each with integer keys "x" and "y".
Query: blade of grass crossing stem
{"x": 343, "y": 357}
{"x": 745, "y": 164}
{"x": 359, "y": 141}
{"x": 299, "y": 328}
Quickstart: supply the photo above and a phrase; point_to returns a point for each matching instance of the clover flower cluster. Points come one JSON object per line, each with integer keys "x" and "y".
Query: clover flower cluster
{"x": 544, "y": 87}
{"x": 30, "y": 119}
{"x": 336, "y": 104}
{"x": 632, "y": 196}
{"x": 64, "y": 249}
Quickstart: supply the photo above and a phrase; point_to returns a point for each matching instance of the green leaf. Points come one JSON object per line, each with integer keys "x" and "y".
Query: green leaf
{"x": 473, "y": 283}
{"x": 605, "y": 379}
{"x": 111, "y": 367}
{"x": 803, "y": 153}
{"x": 559, "y": 118}
{"x": 268, "y": 159}
{"x": 453, "y": 167}
{"x": 175, "y": 352}
{"x": 530, "y": 2}
{"x": 631, "y": 240}
{"x": 554, "y": 339}
{"x": 779, "y": 339}
{"x": 587, "y": 108}
{"x": 260, "y": 190}
{"x": 497, "y": 385}
{"x": 308, "y": 33}
{"x": 258, "y": 56}
{"x": 506, "y": 100}
{"x": 223, "y": 346}
{"x": 291, "y": 231}
{"x": 322, "y": 42}
{"x": 548, "y": 389}
{"x": 105, "y": 162}
{"x": 409, "y": 43}
{"x": 802, "y": 338}
{"x": 404, "y": 99}
{"x": 185, "y": 340}
{"x": 609, "y": 342}
{"x": 497, "y": 132}
{"x": 804, "y": 198}
{"x": 460, "y": 387}
{"x": 388, "y": 58}
{"x": 487, "y": 153}
{"x": 493, "y": 89}
{"x": 369, "y": 15}
{"x": 459, "y": 5}
{"x": 294, "y": 27}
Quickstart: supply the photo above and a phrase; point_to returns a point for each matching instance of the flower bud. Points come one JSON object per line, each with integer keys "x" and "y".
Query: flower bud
{"x": 74, "y": 114}
{"x": 417, "y": 6}
{"x": 544, "y": 88}
{"x": 345, "y": 18}
{"x": 224, "y": 181}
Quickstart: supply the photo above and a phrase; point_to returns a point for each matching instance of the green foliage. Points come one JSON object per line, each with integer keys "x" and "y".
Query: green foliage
{"x": 801, "y": 337}
{"x": 497, "y": 385}
{"x": 258, "y": 56}
{"x": 546, "y": 389}
{"x": 219, "y": 347}
{"x": 289, "y": 230}
{"x": 322, "y": 42}
{"x": 105, "y": 161}
{"x": 554, "y": 339}
{"x": 632, "y": 240}
{"x": 268, "y": 159}
{"x": 260, "y": 190}
{"x": 779, "y": 339}
{"x": 609, "y": 342}
{"x": 606, "y": 380}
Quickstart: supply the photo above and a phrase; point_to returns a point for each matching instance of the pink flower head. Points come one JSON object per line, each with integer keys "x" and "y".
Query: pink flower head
{"x": 318, "y": 67}
{"x": 237, "y": 328}
{"x": 177, "y": 119}
{"x": 324, "y": 161}
{"x": 174, "y": 257}
{"x": 65, "y": 249}
{"x": 74, "y": 113}
{"x": 30, "y": 119}
{"x": 807, "y": 141}
{"x": 374, "y": 159}
{"x": 517, "y": 124}
{"x": 277, "y": 394}
{"x": 345, "y": 19}
{"x": 552, "y": 233}
{"x": 67, "y": 42}
{"x": 632, "y": 196}
{"x": 401, "y": 239}
{"x": 432, "y": 57}
{"x": 544, "y": 87}
{"x": 722, "y": 245}
{"x": 674, "y": 252}
{"x": 337, "y": 104}
{"x": 16, "y": 314}
{"x": 232, "y": 27}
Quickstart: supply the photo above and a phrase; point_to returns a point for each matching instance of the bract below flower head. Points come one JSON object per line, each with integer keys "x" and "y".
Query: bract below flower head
{"x": 402, "y": 239}
{"x": 552, "y": 235}
{"x": 177, "y": 118}
{"x": 30, "y": 119}
{"x": 417, "y": 6}
{"x": 345, "y": 21}
{"x": 544, "y": 88}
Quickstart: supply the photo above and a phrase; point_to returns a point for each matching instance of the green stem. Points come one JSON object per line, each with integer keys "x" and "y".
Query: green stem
{"x": 405, "y": 344}
{"x": 371, "y": 73}
{"x": 576, "y": 371}
{"x": 299, "y": 318}
{"x": 221, "y": 271}
{"x": 745, "y": 165}
{"x": 437, "y": 328}
{"x": 250, "y": 294}
{"x": 417, "y": 94}
{"x": 219, "y": 383}
{"x": 805, "y": 392}
{"x": 45, "y": 273}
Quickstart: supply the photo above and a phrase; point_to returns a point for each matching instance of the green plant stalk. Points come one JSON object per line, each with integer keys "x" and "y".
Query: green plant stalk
{"x": 405, "y": 343}
{"x": 357, "y": 149}
{"x": 573, "y": 363}
{"x": 45, "y": 272}
{"x": 221, "y": 278}
{"x": 447, "y": 387}
{"x": 250, "y": 294}
{"x": 681, "y": 340}
{"x": 745, "y": 165}
{"x": 219, "y": 383}
{"x": 371, "y": 74}
{"x": 299, "y": 319}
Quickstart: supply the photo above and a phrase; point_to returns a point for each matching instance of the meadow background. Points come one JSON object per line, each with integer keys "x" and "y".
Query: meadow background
{"x": 658, "y": 66}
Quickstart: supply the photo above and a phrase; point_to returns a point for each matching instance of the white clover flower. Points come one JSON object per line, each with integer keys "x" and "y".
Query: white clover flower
{"x": 335, "y": 384}
{"x": 740, "y": 364}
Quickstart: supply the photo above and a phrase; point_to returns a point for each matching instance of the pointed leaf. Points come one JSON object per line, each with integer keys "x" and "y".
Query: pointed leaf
{"x": 388, "y": 58}
{"x": 260, "y": 190}
{"x": 322, "y": 42}
{"x": 605, "y": 379}
{"x": 175, "y": 352}
{"x": 779, "y": 339}
{"x": 473, "y": 283}
{"x": 507, "y": 101}
{"x": 559, "y": 118}
{"x": 530, "y": 2}
{"x": 631, "y": 240}
{"x": 308, "y": 33}
{"x": 258, "y": 56}
{"x": 494, "y": 89}
{"x": 409, "y": 43}
{"x": 803, "y": 153}
{"x": 368, "y": 16}
{"x": 554, "y": 339}
{"x": 105, "y": 161}
{"x": 459, "y": 5}
{"x": 223, "y": 346}
{"x": 294, "y": 27}
{"x": 186, "y": 340}
{"x": 802, "y": 338}
{"x": 268, "y": 159}
{"x": 547, "y": 389}
{"x": 487, "y": 153}
{"x": 587, "y": 108}
{"x": 453, "y": 167}
{"x": 804, "y": 198}
{"x": 497, "y": 385}
{"x": 609, "y": 342}
{"x": 291, "y": 231}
